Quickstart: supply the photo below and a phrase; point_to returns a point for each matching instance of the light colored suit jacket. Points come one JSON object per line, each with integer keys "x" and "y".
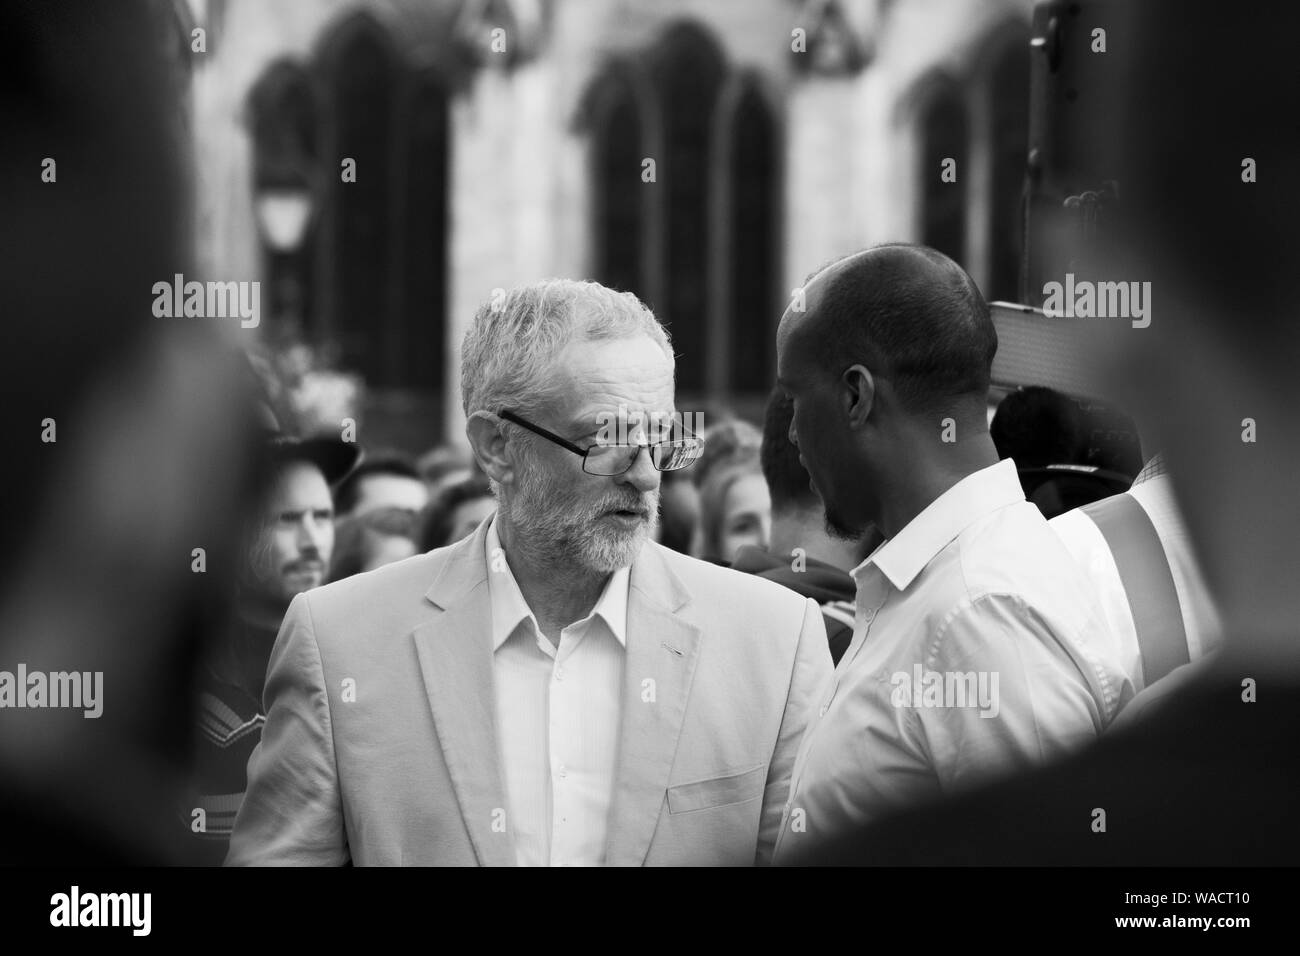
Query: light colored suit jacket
{"x": 380, "y": 744}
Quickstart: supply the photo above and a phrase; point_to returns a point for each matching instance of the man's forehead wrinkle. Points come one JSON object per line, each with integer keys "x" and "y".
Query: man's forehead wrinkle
{"x": 607, "y": 364}
{"x": 593, "y": 373}
{"x": 624, "y": 389}
{"x": 620, "y": 377}
{"x": 595, "y": 402}
{"x": 596, "y": 389}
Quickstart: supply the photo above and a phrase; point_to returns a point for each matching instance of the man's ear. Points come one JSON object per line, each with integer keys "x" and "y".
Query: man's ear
{"x": 487, "y": 439}
{"x": 859, "y": 396}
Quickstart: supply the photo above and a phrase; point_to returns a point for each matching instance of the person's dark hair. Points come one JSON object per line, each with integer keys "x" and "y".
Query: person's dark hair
{"x": 433, "y": 526}
{"x": 913, "y": 316}
{"x": 1112, "y": 440}
{"x": 787, "y": 480}
{"x": 1036, "y": 426}
{"x": 386, "y": 463}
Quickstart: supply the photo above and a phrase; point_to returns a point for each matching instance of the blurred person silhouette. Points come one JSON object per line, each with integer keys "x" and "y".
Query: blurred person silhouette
{"x": 679, "y": 494}
{"x": 382, "y": 480}
{"x": 1048, "y": 435}
{"x": 454, "y": 513}
{"x": 363, "y": 542}
{"x": 735, "y": 507}
{"x": 1037, "y": 426}
{"x": 508, "y": 678}
{"x": 679, "y": 512}
{"x": 977, "y": 648}
{"x": 1208, "y": 775}
{"x": 444, "y": 465}
{"x": 132, "y": 450}
{"x": 803, "y": 555}
{"x": 289, "y": 546}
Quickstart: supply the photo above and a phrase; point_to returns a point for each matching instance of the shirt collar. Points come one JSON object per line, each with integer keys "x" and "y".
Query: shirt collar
{"x": 509, "y": 607}
{"x": 905, "y": 555}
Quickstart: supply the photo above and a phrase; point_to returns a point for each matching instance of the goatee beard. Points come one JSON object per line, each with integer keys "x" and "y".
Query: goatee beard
{"x": 841, "y": 531}
{"x": 555, "y": 532}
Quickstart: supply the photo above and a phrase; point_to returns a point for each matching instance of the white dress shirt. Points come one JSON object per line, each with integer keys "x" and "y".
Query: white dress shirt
{"x": 559, "y": 712}
{"x": 977, "y": 647}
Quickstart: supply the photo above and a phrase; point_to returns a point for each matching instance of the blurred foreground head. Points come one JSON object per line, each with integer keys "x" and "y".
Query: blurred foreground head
{"x": 1214, "y": 375}
{"x": 128, "y": 434}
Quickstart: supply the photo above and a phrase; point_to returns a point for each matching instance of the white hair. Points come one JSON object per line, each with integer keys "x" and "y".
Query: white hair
{"x": 508, "y": 356}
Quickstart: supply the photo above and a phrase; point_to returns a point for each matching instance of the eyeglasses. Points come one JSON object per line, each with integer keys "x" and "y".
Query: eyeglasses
{"x": 608, "y": 460}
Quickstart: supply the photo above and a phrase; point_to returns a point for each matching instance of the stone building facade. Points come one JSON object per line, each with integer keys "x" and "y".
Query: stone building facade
{"x": 497, "y": 142}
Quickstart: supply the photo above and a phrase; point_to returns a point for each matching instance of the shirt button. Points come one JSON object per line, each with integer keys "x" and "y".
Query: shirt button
{"x": 563, "y": 770}
{"x": 559, "y": 673}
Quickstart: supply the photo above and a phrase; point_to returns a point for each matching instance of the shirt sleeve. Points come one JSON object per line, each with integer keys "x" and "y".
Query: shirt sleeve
{"x": 1000, "y": 692}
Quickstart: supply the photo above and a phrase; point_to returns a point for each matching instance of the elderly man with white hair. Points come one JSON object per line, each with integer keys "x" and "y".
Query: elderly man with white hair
{"x": 555, "y": 689}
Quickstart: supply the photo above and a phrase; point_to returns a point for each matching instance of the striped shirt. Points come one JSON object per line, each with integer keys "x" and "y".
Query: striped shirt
{"x": 1135, "y": 551}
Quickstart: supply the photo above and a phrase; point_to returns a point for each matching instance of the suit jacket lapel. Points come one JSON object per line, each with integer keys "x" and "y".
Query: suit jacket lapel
{"x": 663, "y": 648}
{"x": 455, "y": 652}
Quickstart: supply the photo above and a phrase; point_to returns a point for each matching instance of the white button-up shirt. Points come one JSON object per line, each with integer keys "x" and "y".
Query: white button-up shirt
{"x": 977, "y": 647}
{"x": 559, "y": 712}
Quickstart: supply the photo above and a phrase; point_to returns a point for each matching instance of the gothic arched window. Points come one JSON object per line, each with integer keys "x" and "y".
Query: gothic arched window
{"x": 944, "y": 136}
{"x": 700, "y": 243}
{"x": 1009, "y": 94}
{"x": 360, "y": 77}
{"x": 687, "y": 71}
{"x": 423, "y": 209}
{"x": 753, "y": 299}
{"x": 620, "y": 195}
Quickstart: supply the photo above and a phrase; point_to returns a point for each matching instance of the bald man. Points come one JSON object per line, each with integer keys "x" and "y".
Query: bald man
{"x": 1210, "y": 777}
{"x": 976, "y": 647}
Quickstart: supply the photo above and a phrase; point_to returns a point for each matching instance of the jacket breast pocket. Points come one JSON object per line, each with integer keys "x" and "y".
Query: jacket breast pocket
{"x": 718, "y": 792}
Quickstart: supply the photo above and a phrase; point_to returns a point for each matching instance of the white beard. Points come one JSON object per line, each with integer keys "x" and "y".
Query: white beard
{"x": 555, "y": 526}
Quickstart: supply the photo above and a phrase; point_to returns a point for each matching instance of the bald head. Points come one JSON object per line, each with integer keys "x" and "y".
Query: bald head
{"x": 908, "y": 313}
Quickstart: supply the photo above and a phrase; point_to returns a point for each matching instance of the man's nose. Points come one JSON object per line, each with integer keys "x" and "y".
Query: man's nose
{"x": 309, "y": 535}
{"x": 643, "y": 475}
